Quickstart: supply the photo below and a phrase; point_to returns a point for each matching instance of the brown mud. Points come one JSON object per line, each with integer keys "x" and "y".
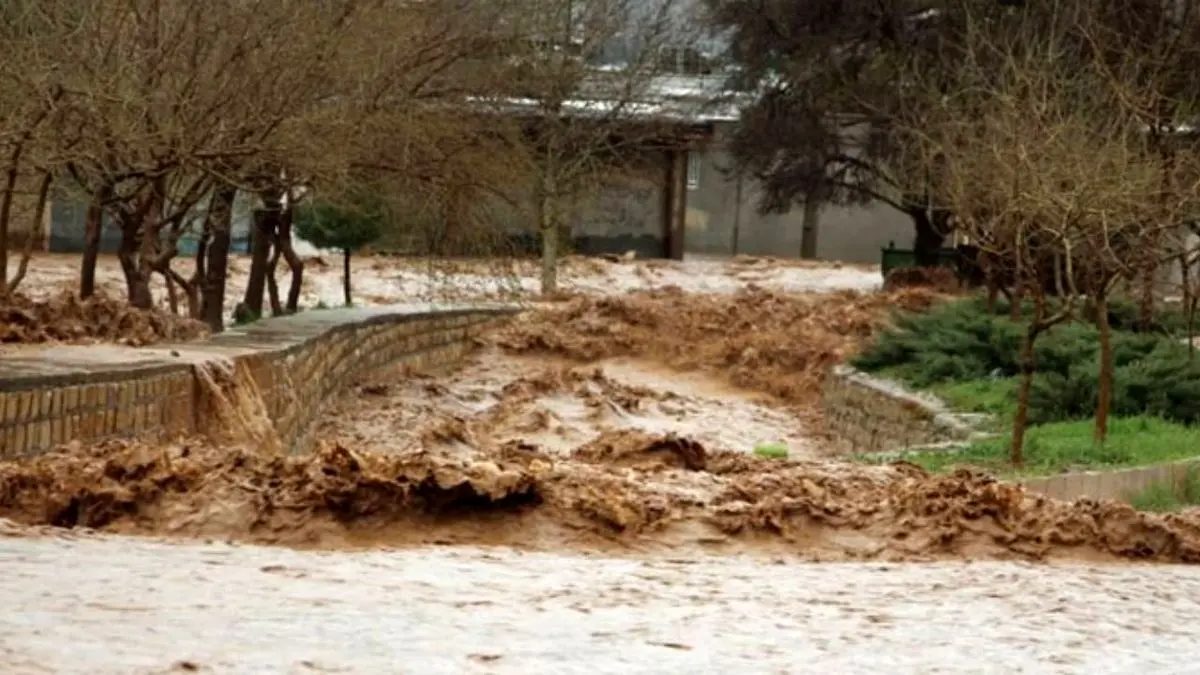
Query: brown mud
{"x": 778, "y": 343}
{"x": 628, "y": 491}
{"x": 65, "y": 318}
{"x": 619, "y": 455}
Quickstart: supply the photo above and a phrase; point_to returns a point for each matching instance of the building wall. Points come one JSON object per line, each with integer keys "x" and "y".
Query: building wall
{"x": 68, "y": 211}
{"x": 715, "y": 208}
{"x": 623, "y": 213}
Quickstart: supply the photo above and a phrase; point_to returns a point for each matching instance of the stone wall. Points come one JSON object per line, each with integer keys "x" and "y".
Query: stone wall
{"x": 879, "y": 416}
{"x": 874, "y": 415}
{"x": 292, "y": 365}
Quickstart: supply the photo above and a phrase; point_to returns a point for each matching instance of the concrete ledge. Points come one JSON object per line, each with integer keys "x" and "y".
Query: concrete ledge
{"x": 876, "y": 415}
{"x": 291, "y": 366}
{"x": 1121, "y": 484}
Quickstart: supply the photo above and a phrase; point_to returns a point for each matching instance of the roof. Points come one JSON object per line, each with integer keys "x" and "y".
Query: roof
{"x": 695, "y": 99}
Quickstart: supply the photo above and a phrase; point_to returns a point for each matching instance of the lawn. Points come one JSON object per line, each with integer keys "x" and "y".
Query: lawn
{"x": 1067, "y": 446}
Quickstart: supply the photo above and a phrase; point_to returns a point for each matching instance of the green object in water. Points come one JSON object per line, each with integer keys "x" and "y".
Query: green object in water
{"x": 771, "y": 450}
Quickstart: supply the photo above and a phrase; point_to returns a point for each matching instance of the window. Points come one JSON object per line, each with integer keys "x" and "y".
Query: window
{"x": 693, "y": 171}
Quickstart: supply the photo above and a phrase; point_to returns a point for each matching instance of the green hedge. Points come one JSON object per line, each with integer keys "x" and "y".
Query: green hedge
{"x": 961, "y": 342}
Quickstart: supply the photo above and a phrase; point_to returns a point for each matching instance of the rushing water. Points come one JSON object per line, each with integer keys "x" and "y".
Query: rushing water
{"x": 112, "y": 605}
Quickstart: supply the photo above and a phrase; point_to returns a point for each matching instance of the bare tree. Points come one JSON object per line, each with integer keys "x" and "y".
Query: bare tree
{"x": 36, "y": 127}
{"x": 583, "y": 118}
{"x": 1048, "y": 167}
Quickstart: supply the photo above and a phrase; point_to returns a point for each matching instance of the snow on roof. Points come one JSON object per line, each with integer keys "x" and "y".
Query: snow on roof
{"x": 681, "y": 98}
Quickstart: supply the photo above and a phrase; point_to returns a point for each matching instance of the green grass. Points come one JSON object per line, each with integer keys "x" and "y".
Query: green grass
{"x": 994, "y": 396}
{"x": 1165, "y": 497}
{"x": 771, "y": 450}
{"x": 1067, "y": 446}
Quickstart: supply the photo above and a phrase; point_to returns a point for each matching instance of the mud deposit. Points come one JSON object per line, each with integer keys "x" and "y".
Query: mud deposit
{"x": 577, "y": 458}
{"x": 770, "y": 341}
{"x": 101, "y": 318}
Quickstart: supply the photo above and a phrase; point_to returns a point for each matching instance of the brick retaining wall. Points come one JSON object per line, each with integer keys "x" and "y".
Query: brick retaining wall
{"x": 298, "y": 363}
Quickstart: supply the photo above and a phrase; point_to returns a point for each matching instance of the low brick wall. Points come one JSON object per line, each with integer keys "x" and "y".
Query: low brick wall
{"x": 874, "y": 415}
{"x": 1120, "y": 484}
{"x": 296, "y": 364}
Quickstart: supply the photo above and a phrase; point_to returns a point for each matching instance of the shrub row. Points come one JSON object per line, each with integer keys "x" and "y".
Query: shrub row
{"x": 961, "y": 341}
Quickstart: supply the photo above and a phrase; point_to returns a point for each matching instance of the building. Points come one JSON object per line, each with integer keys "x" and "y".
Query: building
{"x": 720, "y": 210}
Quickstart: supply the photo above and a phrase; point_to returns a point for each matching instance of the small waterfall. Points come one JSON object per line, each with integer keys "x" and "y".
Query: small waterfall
{"x": 236, "y": 409}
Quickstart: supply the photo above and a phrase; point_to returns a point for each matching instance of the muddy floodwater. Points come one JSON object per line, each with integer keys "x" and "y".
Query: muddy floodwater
{"x": 581, "y": 496}
{"x": 120, "y": 606}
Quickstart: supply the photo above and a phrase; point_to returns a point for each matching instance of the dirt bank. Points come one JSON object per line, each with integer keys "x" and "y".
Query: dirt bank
{"x": 761, "y": 339}
{"x": 62, "y": 317}
{"x": 626, "y": 491}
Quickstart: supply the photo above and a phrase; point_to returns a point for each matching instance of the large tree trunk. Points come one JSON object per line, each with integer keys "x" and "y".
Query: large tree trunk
{"x": 93, "y": 226}
{"x": 930, "y": 236}
{"x": 346, "y": 291}
{"x": 137, "y": 285}
{"x": 1104, "y": 396}
{"x": 220, "y": 227}
{"x": 260, "y": 252}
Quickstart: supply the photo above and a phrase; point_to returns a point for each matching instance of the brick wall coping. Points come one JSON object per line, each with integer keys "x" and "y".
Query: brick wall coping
{"x": 64, "y": 365}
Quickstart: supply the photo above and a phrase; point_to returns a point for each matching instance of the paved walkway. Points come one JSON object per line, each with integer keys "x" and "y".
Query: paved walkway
{"x": 93, "y": 606}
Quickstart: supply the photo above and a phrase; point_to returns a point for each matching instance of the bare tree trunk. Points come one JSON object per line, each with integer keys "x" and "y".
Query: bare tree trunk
{"x": 1028, "y": 365}
{"x": 10, "y": 186}
{"x": 927, "y": 244}
{"x": 548, "y": 226}
{"x": 172, "y": 293}
{"x": 346, "y": 277}
{"x": 1104, "y": 398}
{"x": 547, "y": 217}
{"x": 93, "y": 225}
{"x": 27, "y": 249}
{"x": 195, "y": 286}
{"x": 137, "y": 284}
{"x": 1146, "y": 306}
{"x": 272, "y": 285}
{"x": 220, "y": 226}
{"x": 272, "y": 265}
{"x": 1185, "y": 283}
{"x": 283, "y": 243}
{"x": 265, "y": 225}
